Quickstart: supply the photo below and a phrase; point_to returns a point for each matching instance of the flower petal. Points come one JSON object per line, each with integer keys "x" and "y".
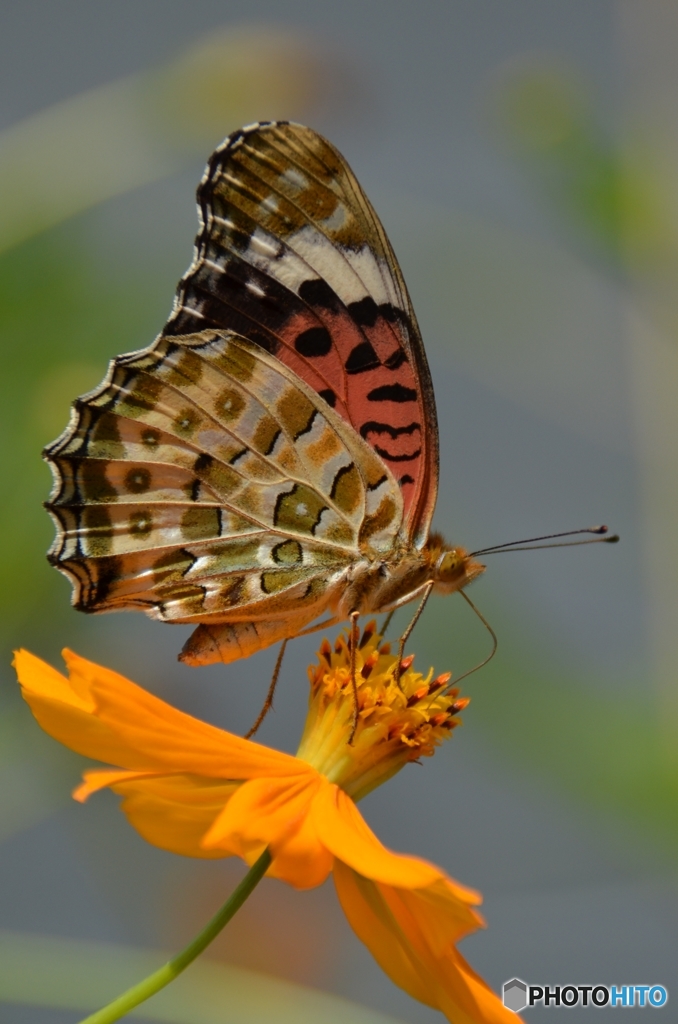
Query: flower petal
{"x": 275, "y": 813}
{"x": 102, "y": 715}
{"x": 463, "y": 991}
{"x": 102, "y": 778}
{"x": 405, "y": 932}
{"x": 302, "y": 861}
{"x": 39, "y": 678}
{"x": 175, "y": 811}
{"x": 444, "y": 912}
{"x": 343, "y": 830}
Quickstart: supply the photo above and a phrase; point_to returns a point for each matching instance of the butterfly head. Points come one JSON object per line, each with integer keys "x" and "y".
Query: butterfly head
{"x": 452, "y": 567}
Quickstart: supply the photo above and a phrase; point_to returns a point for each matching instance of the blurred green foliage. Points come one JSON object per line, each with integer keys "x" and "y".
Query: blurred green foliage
{"x": 602, "y": 187}
{"x": 62, "y": 316}
{"x": 613, "y": 195}
{"x": 143, "y": 127}
{"x": 600, "y": 749}
{"x": 40, "y": 970}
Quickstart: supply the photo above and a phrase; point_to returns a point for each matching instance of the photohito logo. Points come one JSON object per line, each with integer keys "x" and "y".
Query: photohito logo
{"x": 518, "y": 995}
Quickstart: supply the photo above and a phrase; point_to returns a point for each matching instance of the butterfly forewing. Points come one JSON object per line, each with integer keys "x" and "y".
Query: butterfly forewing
{"x": 292, "y": 256}
{"x": 205, "y": 482}
{"x": 272, "y": 457}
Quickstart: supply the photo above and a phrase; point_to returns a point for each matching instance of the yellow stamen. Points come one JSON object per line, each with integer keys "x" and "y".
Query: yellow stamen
{"x": 398, "y": 722}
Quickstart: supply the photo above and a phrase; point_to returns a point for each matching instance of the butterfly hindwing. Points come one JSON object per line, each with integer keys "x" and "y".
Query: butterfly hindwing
{"x": 292, "y": 256}
{"x": 203, "y": 481}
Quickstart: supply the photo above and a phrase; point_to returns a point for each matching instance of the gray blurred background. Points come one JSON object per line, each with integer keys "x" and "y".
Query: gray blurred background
{"x": 523, "y": 159}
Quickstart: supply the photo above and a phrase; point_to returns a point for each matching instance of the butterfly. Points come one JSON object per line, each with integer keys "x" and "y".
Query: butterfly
{"x": 272, "y": 458}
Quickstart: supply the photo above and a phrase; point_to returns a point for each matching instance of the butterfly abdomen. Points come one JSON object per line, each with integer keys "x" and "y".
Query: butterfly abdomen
{"x": 229, "y": 641}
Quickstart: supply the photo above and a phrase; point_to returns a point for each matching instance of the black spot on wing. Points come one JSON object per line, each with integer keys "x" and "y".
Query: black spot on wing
{"x": 317, "y": 292}
{"x": 316, "y": 341}
{"x": 364, "y": 312}
{"x": 329, "y": 396}
{"x": 392, "y": 393}
{"x": 150, "y": 437}
{"x": 406, "y": 479}
{"x": 362, "y": 358}
{"x": 392, "y": 313}
{"x": 238, "y": 455}
{"x": 397, "y": 458}
{"x": 203, "y": 462}
{"x": 141, "y": 523}
{"x": 137, "y": 479}
{"x": 372, "y": 427}
{"x": 396, "y": 359}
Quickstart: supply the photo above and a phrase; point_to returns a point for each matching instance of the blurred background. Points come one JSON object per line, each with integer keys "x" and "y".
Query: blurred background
{"x": 523, "y": 159}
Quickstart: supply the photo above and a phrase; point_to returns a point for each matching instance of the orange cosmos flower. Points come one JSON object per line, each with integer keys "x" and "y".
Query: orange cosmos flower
{"x": 197, "y": 790}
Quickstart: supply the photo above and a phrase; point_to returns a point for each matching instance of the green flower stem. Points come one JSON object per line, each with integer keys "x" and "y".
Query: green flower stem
{"x": 173, "y": 968}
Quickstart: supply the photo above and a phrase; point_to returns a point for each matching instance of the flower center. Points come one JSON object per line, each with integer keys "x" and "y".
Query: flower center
{"x": 397, "y": 721}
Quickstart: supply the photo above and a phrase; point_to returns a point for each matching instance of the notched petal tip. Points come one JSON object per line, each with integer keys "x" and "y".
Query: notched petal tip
{"x": 41, "y": 682}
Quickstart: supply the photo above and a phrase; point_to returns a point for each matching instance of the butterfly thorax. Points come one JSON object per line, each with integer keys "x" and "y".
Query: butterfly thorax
{"x": 387, "y": 583}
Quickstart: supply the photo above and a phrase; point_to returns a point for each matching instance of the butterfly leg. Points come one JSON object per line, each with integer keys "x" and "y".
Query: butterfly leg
{"x": 354, "y": 648}
{"x": 268, "y": 703}
{"x": 406, "y": 635}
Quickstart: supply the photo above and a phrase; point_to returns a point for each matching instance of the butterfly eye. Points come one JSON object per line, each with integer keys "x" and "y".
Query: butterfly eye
{"x": 448, "y": 564}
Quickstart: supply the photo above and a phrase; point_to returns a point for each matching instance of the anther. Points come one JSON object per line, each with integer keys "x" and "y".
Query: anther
{"x": 385, "y": 648}
{"x": 326, "y": 651}
{"x": 368, "y": 632}
{"x": 458, "y": 706}
{"x": 405, "y": 664}
{"x": 414, "y": 698}
{"x": 370, "y": 661}
{"x": 439, "y": 681}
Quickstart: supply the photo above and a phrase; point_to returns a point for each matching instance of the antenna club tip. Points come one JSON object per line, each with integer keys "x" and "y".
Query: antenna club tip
{"x": 614, "y": 539}
{"x": 598, "y": 529}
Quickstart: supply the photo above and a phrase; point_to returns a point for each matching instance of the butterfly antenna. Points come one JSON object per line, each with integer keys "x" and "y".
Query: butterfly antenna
{"x": 531, "y": 543}
{"x": 495, "y": 643}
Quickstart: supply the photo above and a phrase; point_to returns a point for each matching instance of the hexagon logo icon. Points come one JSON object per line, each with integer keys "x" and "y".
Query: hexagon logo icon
{"x": 514, "y": 994}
